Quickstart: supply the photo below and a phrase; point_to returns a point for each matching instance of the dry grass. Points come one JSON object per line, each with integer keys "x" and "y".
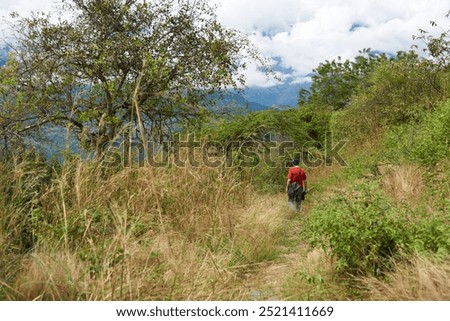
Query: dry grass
{"x": 421, "y": 280}
{"x": 45, "y": 276}
{"x": 156, "y": 234}
{"x": 260, "y": 228}
{"x": 141, "y": 234}
{"x": 403, "y": 183}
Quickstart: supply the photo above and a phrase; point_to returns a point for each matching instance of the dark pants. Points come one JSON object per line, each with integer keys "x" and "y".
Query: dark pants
{"x": 295, "y": 193}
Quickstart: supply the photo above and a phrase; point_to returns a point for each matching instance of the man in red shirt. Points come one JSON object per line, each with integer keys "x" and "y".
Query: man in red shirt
{"x": 296, "y": 184}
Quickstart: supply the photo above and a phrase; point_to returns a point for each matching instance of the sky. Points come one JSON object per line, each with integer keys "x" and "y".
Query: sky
{"x": 299, "y": 34}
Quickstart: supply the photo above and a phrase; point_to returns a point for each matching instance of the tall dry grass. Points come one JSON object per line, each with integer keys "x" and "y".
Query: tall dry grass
{"x": 138, "y": 233}
{"x": 404, "y": 183}
{"x": 261, "y": 228}
{"x": 422, "y": 279}
{"x": 20, "y": 183}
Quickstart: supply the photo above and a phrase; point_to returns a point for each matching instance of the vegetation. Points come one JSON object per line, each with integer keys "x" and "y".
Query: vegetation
{"x": 117, "y": 63}
{"x": 334, "y": 82}
{"x": 385, "y": 228}
{"x": 375, "y": 226}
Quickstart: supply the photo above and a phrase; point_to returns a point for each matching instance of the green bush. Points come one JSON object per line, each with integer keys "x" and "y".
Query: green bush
{"x": 360, "y": 229}
{"x": 398, "y": 143}
{"x": 364, "y": 231}
{"x": 426, "y": 143}
{"x": 270, "y": 179}
{"x": 433, "y": 142}
{"x": 432, "y": 235}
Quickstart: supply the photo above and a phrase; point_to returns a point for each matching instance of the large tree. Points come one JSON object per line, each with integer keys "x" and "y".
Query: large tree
{"x": 109, "y": 64}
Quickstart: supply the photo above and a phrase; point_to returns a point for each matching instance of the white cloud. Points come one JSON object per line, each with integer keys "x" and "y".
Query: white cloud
{"x": 304, "y": 32}
{"x": 24, "y": 7}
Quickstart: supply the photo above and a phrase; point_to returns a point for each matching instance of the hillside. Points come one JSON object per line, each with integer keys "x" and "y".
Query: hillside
{"x": 189, "y": 244}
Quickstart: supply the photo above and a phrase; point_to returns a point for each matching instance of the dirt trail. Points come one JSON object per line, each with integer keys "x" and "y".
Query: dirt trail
{"x": 267, "y": 280}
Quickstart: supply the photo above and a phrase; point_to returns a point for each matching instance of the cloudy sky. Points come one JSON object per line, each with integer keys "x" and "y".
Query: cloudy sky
{"x": 300, "y": 34}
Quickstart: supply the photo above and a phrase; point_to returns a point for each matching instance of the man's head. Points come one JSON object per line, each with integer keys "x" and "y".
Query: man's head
{"x": 296, "y": 162}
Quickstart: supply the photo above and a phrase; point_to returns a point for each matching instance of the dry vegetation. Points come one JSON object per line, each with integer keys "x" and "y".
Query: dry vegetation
{"x": 139, "y": 233}
{"x": 422, "y": 279}
{"x": 404, "y": 183}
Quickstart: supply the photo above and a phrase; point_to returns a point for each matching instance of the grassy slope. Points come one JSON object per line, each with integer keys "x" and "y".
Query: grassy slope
{"x": 190, "y": 234}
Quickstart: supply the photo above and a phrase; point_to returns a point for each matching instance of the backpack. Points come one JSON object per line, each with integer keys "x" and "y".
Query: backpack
{"x": 293, "y": 189}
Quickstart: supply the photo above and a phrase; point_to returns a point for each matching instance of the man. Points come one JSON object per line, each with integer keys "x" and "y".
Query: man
{"x": 296, "y": 185}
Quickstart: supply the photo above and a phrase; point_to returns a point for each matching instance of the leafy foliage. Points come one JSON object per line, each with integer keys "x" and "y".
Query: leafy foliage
{"x": 364, "y": 231}
{"x": 426, "y": 143}
{"x": 291, "y": 132}
{"x": 437, "y": 48}
{"x": 334, "y": 82}
{"x": 361, "y": 232}
{"x": 397, "y": 92}
{"x": 303, "y": 125}
{"x": 116, "y": 63}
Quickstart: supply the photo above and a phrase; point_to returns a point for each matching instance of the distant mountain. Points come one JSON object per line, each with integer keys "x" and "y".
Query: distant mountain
{"x": 3, "y": 56}
{"x": 261, "y": 98}
{"x": 286, "y": 94}
{"x": 233, "y": 101}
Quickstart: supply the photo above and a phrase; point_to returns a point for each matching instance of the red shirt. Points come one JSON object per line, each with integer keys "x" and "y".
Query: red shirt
{"x": 296, "y": 174}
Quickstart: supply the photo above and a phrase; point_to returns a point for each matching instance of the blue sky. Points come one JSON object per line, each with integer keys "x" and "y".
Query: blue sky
{"x": 302, "y": 33}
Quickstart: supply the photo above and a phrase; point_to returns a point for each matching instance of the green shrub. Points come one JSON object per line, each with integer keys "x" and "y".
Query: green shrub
{"x": 359, "y": 229}
{"x": 432, "y": 235}
{"x": 433, "y": 142}
{"x": 270, "y": 179}
{"x": 426, "y": 143}
{"x": 365, "y": 232}
{"x": 396, "y": 92}
{"x": 398, "y": 143}
{"x": 362, "y": 165}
